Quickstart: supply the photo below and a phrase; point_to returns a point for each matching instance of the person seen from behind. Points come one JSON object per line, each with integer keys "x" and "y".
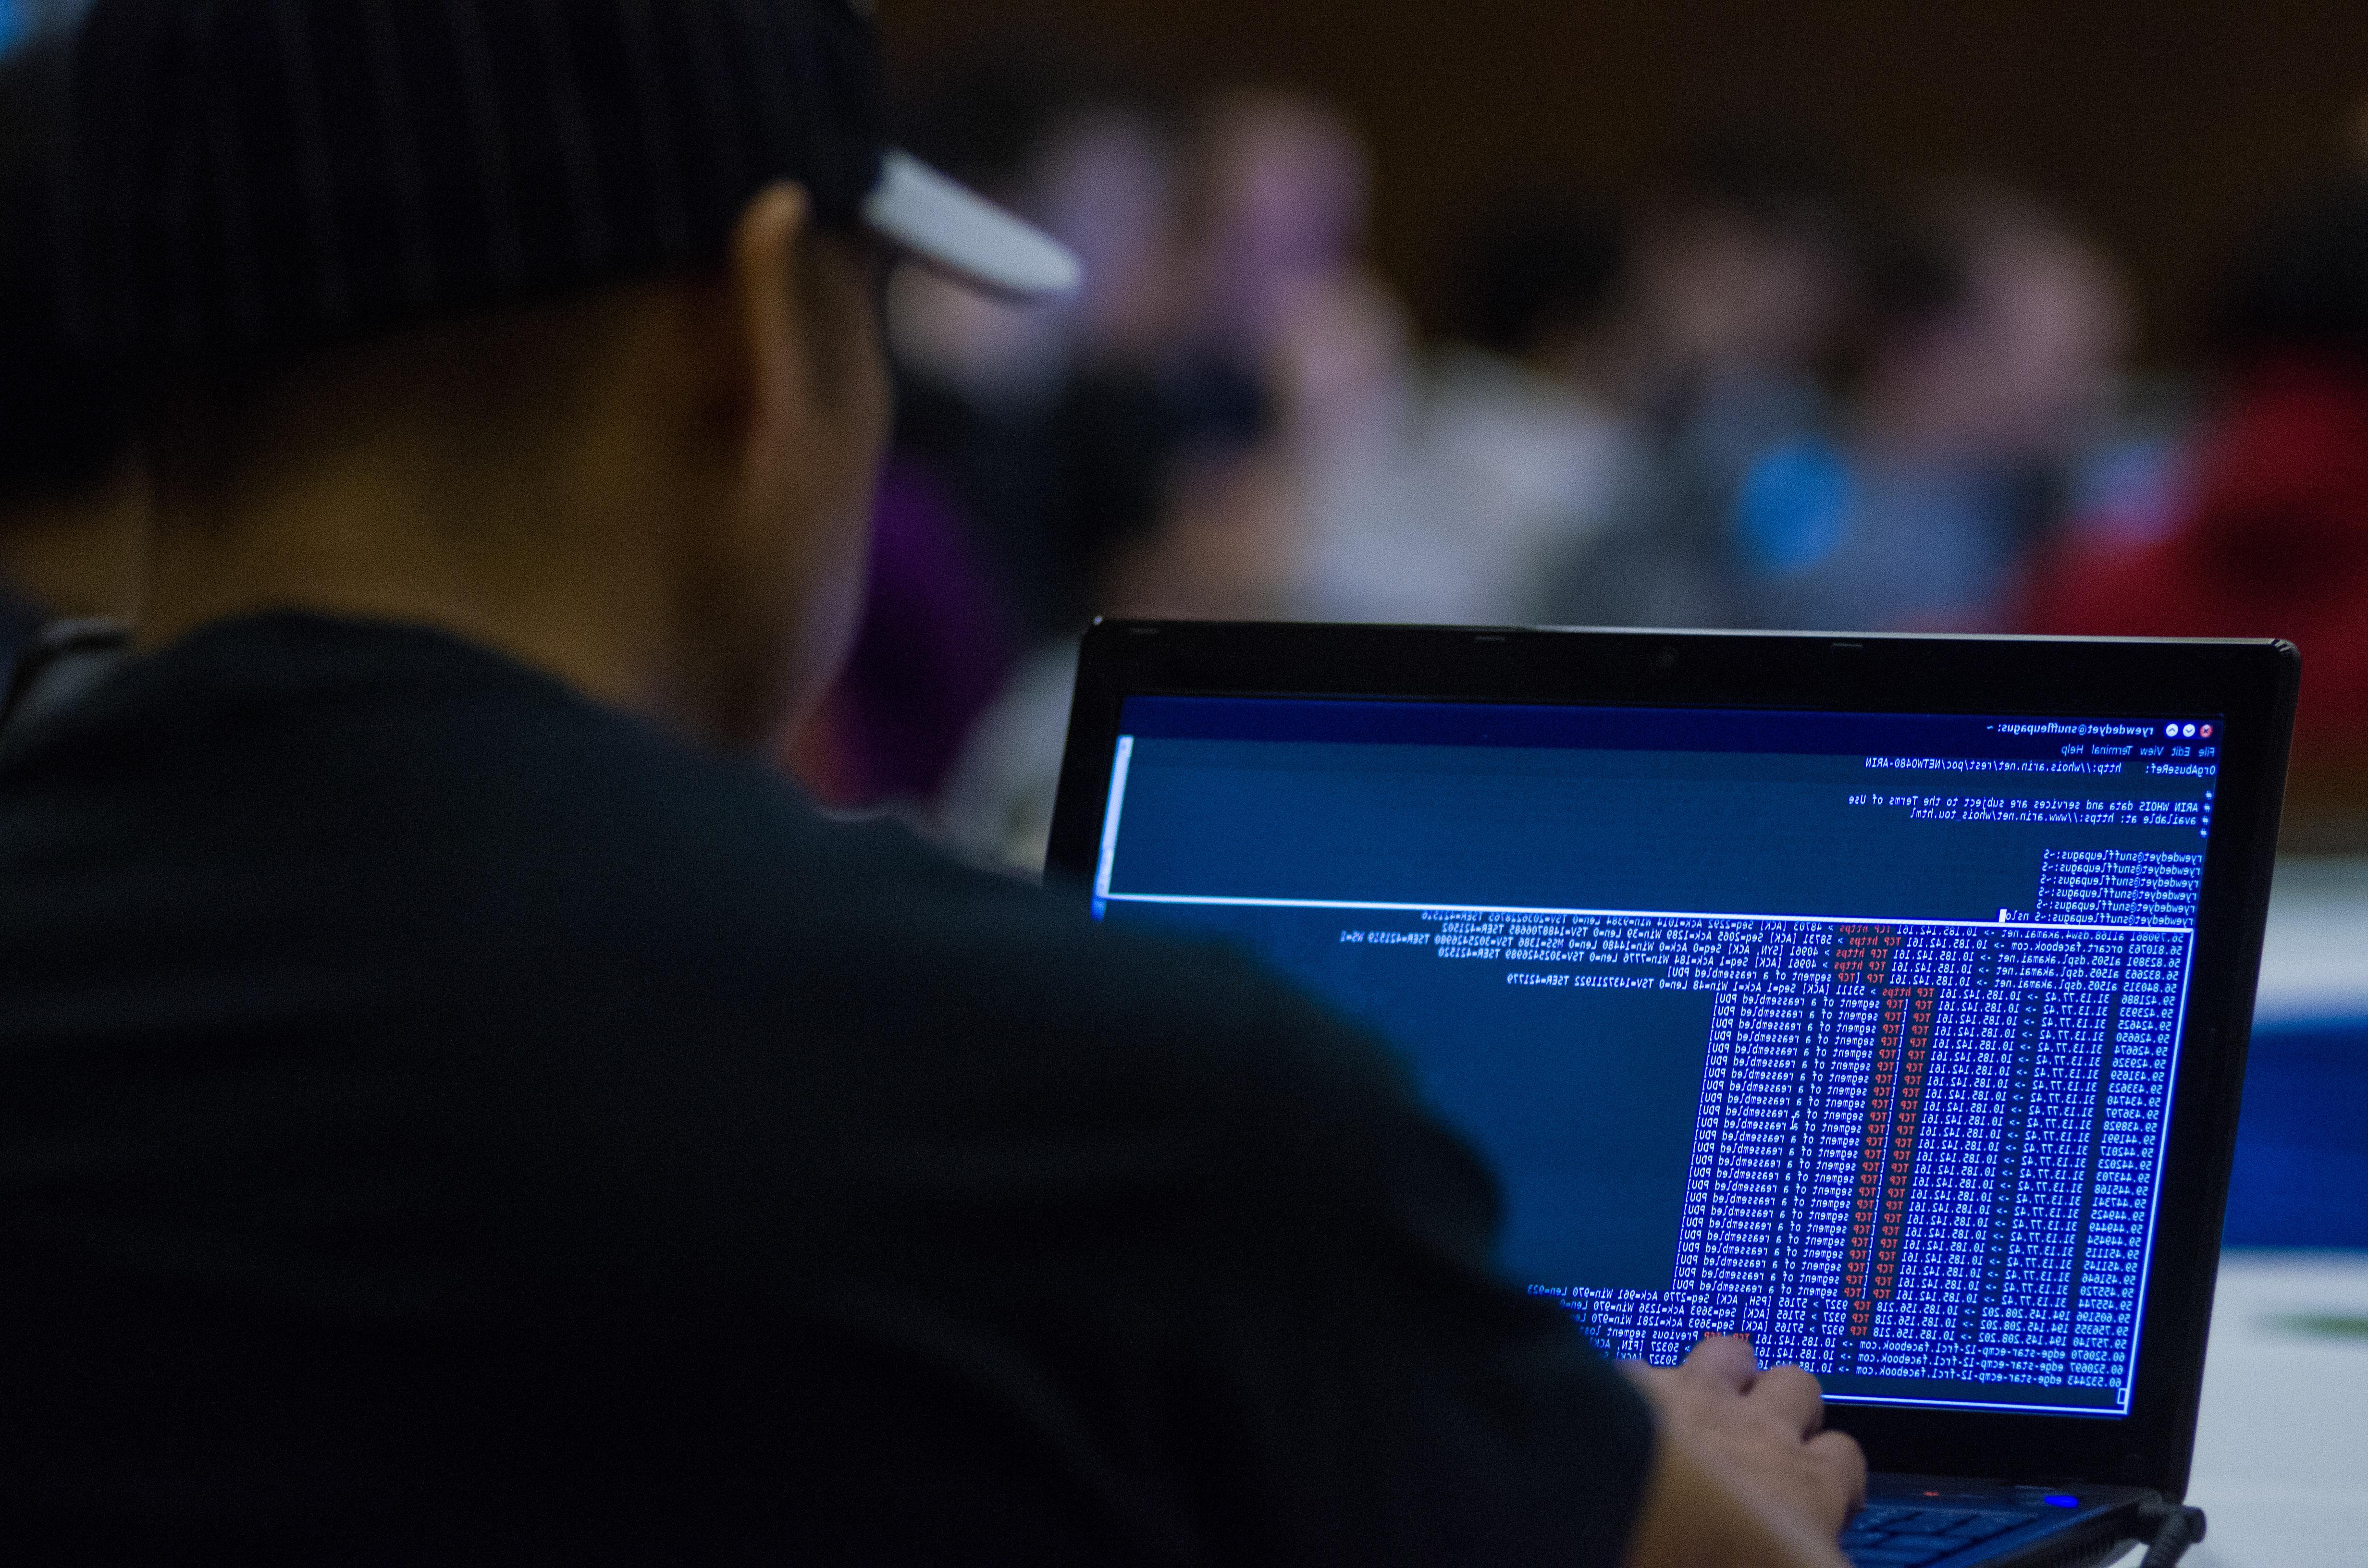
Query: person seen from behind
{"x": 1986, "y": 371}
{"x": 1529, "y": 415}
{"x": 1032, "y": 440}
{"x": 2271, "y": 536}
{"x": 1743, "y": 272}
{"x": 465, "y": 1108}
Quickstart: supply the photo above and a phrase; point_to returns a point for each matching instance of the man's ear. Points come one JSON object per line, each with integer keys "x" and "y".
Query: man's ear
{"x": 767, "y": 255}
{"x": 781, "y": 568}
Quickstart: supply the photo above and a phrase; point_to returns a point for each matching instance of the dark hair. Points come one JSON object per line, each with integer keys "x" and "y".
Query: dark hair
{"x": 1913, "y": 270}
{"x": 63, "y": 424}
{"x": 2303, "y": 281}
{"x": 1774, "y": 176}
{"x": 1918, "y": 263}
{"x": 987, "y": 121}
{"x": 1542, "y": 264}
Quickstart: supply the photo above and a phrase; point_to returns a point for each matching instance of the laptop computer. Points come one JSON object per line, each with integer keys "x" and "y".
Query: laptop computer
{"x": 1885, "y": 998}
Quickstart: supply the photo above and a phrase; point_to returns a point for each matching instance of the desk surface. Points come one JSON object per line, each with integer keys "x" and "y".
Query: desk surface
{"x": 2314, "y": 960}
{"x": 2281, "y": 1455}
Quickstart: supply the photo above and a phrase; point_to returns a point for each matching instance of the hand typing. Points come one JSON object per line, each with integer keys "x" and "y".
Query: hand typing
{"x": 1763, "y": 1431}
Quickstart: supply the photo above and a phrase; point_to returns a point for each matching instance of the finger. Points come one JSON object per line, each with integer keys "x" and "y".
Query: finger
{"x": 1726, "y": 1357}
{"x": 1793, "y": 1397}
{"x": 1843, "y": 1463}
{"x": 1643, "y": 1374}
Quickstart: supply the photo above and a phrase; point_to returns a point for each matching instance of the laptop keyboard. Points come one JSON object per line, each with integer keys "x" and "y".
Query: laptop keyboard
{"x": 1883, "y": 1536}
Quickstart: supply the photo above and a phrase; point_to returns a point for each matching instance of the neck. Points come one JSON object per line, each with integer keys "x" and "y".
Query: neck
{"x": 391, "y": 529}
{"x": 82, "y": 555}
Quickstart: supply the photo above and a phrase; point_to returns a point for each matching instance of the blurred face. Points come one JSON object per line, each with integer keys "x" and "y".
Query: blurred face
{"x": 2024, "y": 371}
{"x": 1107, "y": 190}
{"x": 1286, "y": 206}
{"x": 1728, "y": 292}
{"x": 2059, "y": 328}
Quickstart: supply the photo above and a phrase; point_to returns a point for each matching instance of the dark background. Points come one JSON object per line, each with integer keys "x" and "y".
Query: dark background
{"x": 2164, "y": 127}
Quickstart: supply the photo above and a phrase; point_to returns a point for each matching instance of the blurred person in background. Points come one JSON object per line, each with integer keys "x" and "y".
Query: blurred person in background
{"x": 1049, "y": 422}
{"x": 72, "y": 496}
{"x": 1744, "y": 274}
{"x": 2273, "y": 537}
{"x": 1031, "y": 440}
{"x": 1992, "y": 340}
{"x": 1293, "y": 356}
{"x": 1279, "y": 369}
{"x": 1336, "y": 473}
{"x": 1383, "y": 485}
{"x": 1450, "y": 487}
{"x": 1528, "y": 423}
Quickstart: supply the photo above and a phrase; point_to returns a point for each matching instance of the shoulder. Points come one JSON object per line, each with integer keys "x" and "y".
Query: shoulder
{"x": 454, "y": 864}
{"x": 992, "y": 1008}
{"x": 323, "y": 769}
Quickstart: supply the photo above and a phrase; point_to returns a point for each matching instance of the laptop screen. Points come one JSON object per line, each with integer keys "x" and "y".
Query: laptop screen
{"x": 1852, "y": 1031}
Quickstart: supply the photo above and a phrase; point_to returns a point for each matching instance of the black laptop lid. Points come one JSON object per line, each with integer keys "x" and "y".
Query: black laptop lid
{"x": 1885, "y": 998}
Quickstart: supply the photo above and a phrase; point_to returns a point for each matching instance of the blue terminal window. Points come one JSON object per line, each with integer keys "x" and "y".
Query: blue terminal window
{"x": 1855, "y": 1031}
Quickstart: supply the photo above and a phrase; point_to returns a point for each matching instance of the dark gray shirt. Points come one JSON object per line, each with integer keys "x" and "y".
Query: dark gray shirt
{"x": 447, "y": 1120}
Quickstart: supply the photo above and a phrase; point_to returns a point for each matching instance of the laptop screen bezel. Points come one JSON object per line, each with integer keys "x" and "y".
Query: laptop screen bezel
{"x": 2251, "y": 684}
